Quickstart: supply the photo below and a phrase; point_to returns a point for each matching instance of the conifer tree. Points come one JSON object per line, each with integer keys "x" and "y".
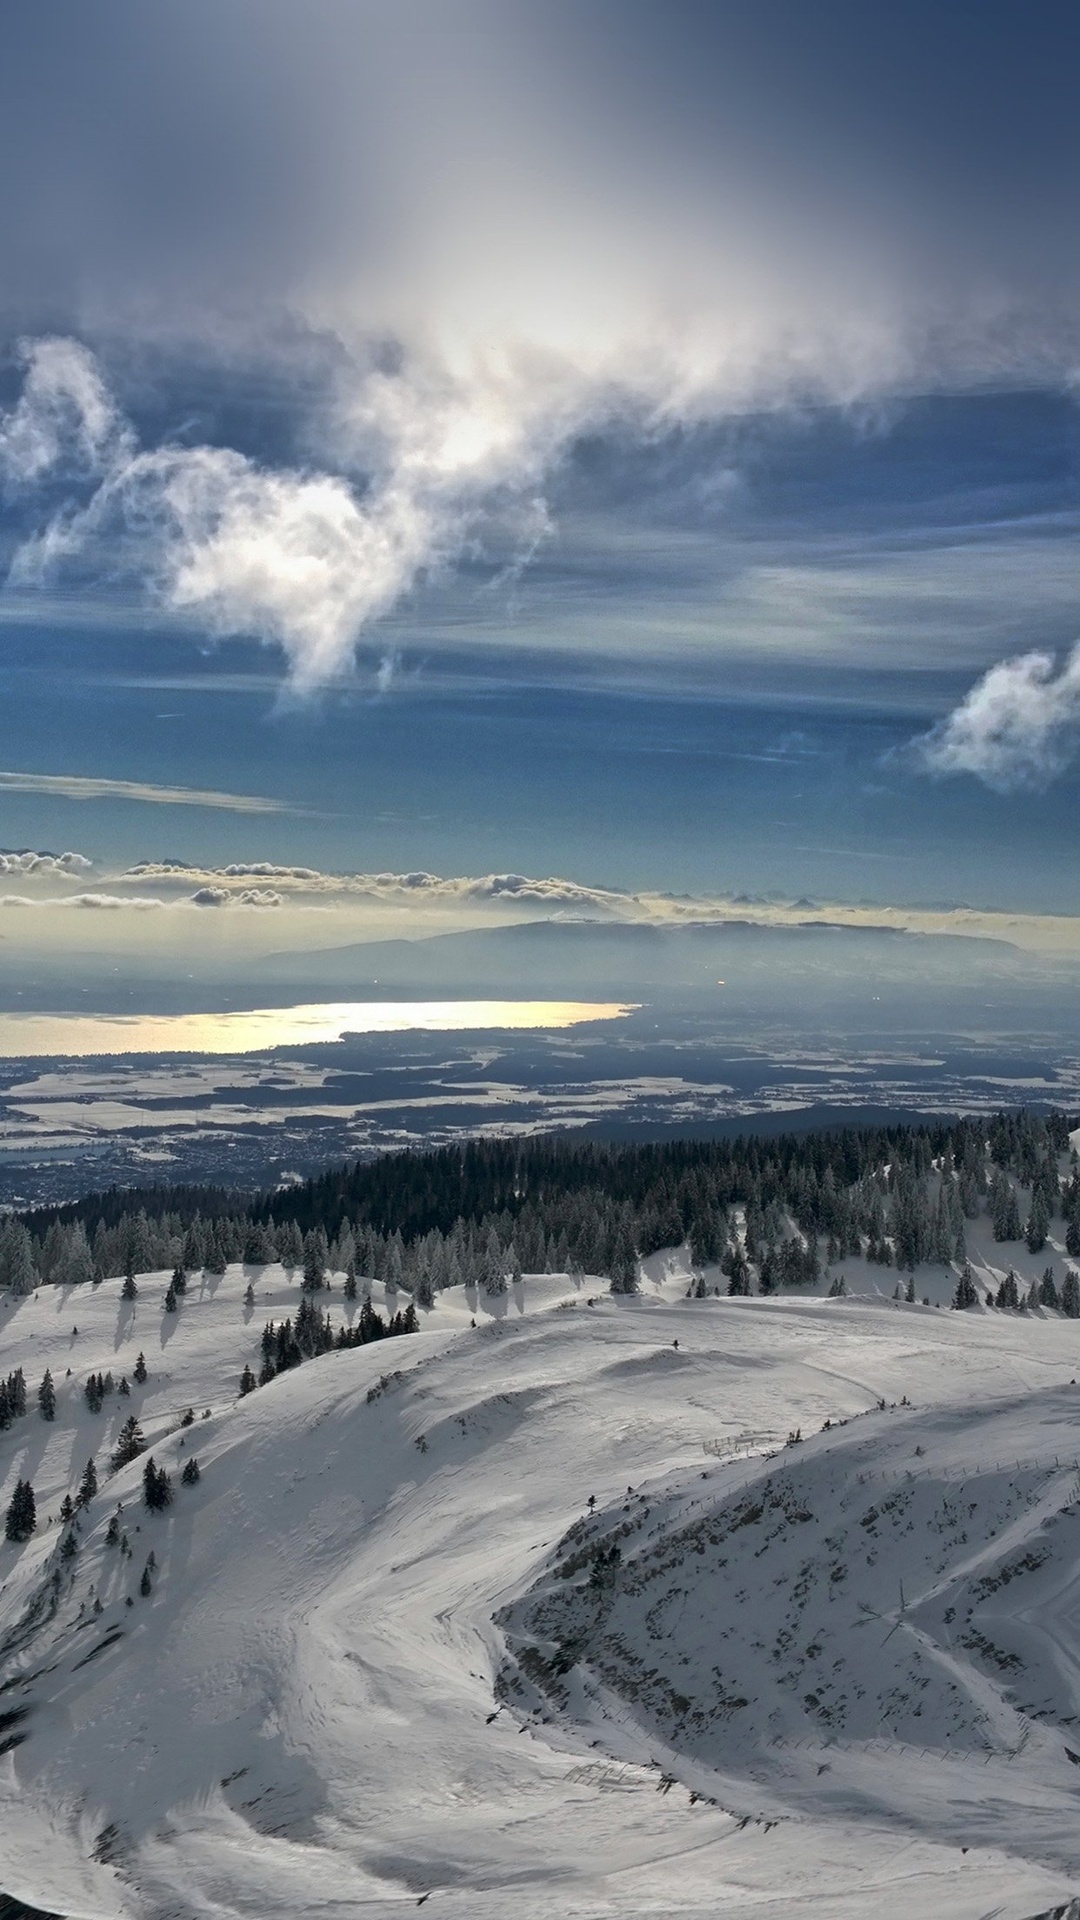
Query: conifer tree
{"x": 966, "y": 1294}
{"x": 138, "y": 1371}
{"x": 129, "y": 1445}
{"x": 88, "y": 1485}
{"x": 21, "y": 1514}
{"x": 1038, "y": 1224}
{"x": 129, "y": 1290}
{"x": 170, "y": 1297}
{"x": 315, "y": 1258}
{"x": 1048, "y": 1293}
{"x": 157, "y": 1487}
{"x": 214, "y": 1259}
{"x": 1008, "y": 1294}
{"x": 191, "y": 1475}
{"x": 146, "y": 1586}
{"x": 17, "y": 1270}
{"x": 291, "y": 1246}
{"x": 1070, "y": 1297}
{"x": 192, "y": 1255}
{"x": 248, "y": 1382}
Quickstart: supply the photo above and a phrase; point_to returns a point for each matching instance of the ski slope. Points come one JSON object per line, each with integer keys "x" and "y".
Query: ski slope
{"x": 327, "y": 1707}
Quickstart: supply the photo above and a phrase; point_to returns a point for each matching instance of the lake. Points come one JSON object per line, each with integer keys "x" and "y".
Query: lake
{"x": 31, "y": 1035}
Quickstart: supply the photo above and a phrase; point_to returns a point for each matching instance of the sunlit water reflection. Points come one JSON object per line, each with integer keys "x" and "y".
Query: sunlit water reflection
{"x": 26, "y": 1035}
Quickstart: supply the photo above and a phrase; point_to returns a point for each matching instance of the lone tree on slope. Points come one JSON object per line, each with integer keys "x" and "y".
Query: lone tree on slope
{"x": 22, "y": 1513}
{"x": 157, "y": 1487}
{"x": 47, "y": 1397}
{"x": 129, "y": 1445}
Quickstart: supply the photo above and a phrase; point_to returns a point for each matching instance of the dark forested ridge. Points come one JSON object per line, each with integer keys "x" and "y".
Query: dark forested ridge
{"x": 764, "y": 1208}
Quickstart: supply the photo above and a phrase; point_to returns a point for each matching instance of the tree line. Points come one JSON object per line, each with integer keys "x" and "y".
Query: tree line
{"x": 768, "y": 1211}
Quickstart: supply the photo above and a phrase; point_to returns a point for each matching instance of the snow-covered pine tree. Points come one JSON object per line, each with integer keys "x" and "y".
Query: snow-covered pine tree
{"x": 129, "y": 1444}
{"x": 316, "y": 1254}
{"x": 214, "y": 1258}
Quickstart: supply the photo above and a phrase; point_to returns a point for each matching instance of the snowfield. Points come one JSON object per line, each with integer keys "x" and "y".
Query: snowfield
{"x": 541, "y": 1616}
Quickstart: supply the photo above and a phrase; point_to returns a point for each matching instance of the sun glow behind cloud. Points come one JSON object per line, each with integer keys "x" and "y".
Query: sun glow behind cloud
{"x": 493, "y": 236}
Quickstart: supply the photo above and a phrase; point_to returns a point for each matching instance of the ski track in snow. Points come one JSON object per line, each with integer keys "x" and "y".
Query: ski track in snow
{"x": 309, "y": 1715}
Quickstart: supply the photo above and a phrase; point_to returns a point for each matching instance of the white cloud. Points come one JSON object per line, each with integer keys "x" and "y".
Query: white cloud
{"x": 65, "y": 417}
{"x": 503, "y": 230}
{"x": 93, "y": 902}
{"x": 1018, "y": 727}
{"x": 218, "y": 885}
{"x": 76, "y": 786}
{"x": 211, "y": 896}
{"x": 27, "y": 861}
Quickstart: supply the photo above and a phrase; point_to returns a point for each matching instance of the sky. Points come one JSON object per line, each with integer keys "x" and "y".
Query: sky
{"x": 451, "y": 447}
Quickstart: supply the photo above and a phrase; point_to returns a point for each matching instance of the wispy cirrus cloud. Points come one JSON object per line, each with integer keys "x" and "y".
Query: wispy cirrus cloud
{"x": 74, "y": 786}
{"x": 1019, "y": 726}
{"x": 65, "y": 418}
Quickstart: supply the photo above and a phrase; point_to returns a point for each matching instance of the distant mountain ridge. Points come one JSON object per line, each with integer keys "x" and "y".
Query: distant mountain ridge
{"x": 556, "y": 956}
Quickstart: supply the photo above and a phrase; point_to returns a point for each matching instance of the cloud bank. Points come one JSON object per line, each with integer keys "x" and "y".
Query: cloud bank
{"x": 26, "y": 861}
{"x": 1018, "y": 727}
{"x": 219, "y": 885}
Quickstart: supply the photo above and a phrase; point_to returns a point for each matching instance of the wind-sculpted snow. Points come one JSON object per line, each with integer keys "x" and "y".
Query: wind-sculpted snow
{"x": 842, "y": 1620}
{"x": 305, "y": 1715}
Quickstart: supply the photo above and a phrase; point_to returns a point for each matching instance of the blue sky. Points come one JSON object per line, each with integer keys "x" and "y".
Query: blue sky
{"x": 581, "y": 441}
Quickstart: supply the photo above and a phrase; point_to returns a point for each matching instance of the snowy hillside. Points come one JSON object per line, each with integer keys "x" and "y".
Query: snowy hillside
{"x": 388, "y": 1651}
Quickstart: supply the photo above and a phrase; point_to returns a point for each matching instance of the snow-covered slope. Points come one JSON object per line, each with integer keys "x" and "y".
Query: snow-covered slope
{"x": 304, "y": 1718}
